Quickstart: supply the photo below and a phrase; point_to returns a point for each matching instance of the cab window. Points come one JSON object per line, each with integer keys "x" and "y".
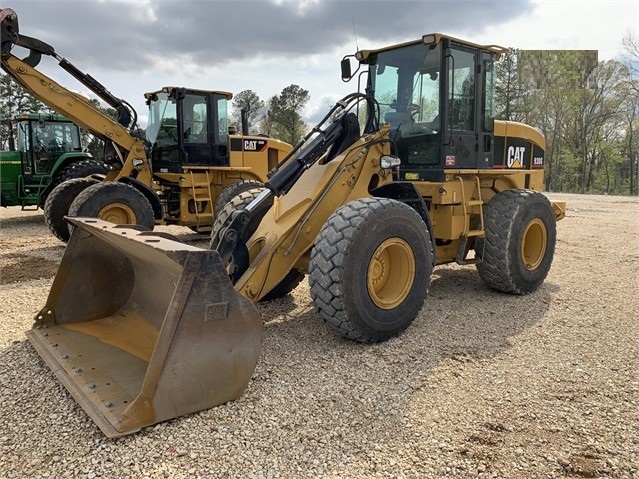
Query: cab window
{"x": 195, "y": 119}
{"x": 223, "y": 120}
{"x": 461, "y": 90}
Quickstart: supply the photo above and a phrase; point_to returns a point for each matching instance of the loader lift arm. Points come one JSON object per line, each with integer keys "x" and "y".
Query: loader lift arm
{"x": 117, "y": 134}
{"x": 338, "y": 130}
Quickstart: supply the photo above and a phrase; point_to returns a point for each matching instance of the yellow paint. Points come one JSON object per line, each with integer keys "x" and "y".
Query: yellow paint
{"x": 128, "y": 332}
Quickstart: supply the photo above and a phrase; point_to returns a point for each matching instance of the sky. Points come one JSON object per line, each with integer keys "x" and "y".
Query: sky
{"x": 136, "y": 46}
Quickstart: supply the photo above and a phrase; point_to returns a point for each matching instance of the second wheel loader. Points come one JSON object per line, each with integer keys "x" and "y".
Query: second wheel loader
{"x": 185, "y": 164}
{"x": 412, "y": 173}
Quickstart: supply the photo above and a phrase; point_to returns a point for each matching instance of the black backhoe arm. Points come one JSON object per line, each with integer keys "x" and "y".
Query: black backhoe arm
{"x": 10, "y": 37}
{"x": 126, "y": 151}
{"x": 243, "y": 223}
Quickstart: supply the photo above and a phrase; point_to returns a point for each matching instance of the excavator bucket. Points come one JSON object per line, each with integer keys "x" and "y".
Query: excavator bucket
{"x": 141, "y": 328}
{"x": 8, "y": 29}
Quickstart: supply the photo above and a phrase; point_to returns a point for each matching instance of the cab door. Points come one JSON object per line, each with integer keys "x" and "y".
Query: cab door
{"x": 196, "y": 135}
{"x": 461, "y": 128}
{"x": 486, "y": 113}
{"x": 205, "y": 129}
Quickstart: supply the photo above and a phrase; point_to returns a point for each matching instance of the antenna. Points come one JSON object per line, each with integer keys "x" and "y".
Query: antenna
{"x": 355, "y": 33}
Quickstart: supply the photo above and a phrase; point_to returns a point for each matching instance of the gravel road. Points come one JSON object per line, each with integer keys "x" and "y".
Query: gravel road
{"x": 481, "y": 385}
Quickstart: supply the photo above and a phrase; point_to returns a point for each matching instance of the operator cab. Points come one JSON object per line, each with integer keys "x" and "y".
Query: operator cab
{"x": 187, "y": 127}
{"x": 437, "y": 95}
{"x": 41, "y": 139}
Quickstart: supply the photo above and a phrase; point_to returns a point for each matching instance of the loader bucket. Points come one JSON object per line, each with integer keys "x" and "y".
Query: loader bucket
{"x": 141, "y": 328}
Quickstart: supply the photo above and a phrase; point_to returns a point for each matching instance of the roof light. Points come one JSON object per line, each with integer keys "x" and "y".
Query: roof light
{"x": 428, "y": 39}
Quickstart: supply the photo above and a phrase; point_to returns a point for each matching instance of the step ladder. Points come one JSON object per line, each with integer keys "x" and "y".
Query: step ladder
{"x": 202, "y": 193}
{"x": 477, "y": 204}
{"x": 27, "y": 200}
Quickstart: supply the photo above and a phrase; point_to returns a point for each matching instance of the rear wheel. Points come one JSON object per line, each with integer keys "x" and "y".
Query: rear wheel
{"x": 114, "y": 202}
{"x": 77, "y": 169}
{"x": 233, "y": 190}
{"x": 370, "y": 269}
{"x": 56, "y": 207}
{"x": 521, "y": 232}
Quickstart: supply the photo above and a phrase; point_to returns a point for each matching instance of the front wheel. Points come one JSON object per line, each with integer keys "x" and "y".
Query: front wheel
{"x": 58, "y": 202}
{"x": 292, "y": 279}
{"x": 370, "y": 269}
{"x": 114, "y": 202}
{"x": 237, "y": 202}
{"x": 77, "y": 169}
{"x": 234, "y": 190}
{"x": 241, "y": 201}
{"x": 521, "y": 232}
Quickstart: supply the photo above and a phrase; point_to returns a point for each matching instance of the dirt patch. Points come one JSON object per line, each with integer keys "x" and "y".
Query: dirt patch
{"x": 584, "y": 465}
{"x": 19, "y": 268}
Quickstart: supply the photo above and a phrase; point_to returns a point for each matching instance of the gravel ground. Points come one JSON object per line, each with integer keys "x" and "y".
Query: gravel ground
{"x": 481, "y": 385}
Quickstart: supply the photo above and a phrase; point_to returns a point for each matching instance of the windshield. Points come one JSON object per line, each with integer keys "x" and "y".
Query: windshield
{"x": 406, "y": 83}
{"x": 162, "y": 126}
{"x": 51, "y": 136}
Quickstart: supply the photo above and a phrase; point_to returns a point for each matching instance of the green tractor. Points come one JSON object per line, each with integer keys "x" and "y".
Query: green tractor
{"x": 43, "y": 151}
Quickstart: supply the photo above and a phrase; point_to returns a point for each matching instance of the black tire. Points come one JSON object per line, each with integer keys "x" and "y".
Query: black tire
{"x": 56, "y": 207}
{"x": 233, "y": 190}
{"x": 239, "y": 201}
{"x": 293, "y": 278}
{"x": 370, "y": 269}
{"x": 77, "y": 169}
{"x": 521, "y": 232}
{"x": 115, "y": 202}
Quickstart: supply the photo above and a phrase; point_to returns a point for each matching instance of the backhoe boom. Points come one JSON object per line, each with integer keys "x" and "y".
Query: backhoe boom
{"x": 72, "y": 105}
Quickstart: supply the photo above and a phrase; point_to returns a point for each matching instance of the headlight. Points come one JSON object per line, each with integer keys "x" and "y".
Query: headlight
{"x": 389, "y": 161}
{"x": 137, "y": 162}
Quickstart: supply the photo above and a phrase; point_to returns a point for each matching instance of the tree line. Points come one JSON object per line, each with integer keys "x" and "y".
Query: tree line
{"x": 590, "y": 119}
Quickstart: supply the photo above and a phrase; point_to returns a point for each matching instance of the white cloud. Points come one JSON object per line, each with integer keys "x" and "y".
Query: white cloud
{"x": 569, "y": 25}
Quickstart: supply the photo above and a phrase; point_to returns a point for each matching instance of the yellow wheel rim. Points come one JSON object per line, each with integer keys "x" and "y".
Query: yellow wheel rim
{"x": 391, "y": 273}
{"x": 118, "y": 213}
{"x": 533, "y": 245}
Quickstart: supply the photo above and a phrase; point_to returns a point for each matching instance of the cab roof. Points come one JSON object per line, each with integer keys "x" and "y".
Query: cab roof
{"x": 168, "y": 89}
{"x": 41, "y": 116}
{"x": 430, "y": 39}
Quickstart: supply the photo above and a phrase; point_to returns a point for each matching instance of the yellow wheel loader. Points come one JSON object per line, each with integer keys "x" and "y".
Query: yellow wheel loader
{"x": 186, "y": 163}
{"x": 410, "y": 174}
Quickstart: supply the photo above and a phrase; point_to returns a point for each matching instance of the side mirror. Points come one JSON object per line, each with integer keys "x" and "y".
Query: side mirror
{"x": 345, "y": 65}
